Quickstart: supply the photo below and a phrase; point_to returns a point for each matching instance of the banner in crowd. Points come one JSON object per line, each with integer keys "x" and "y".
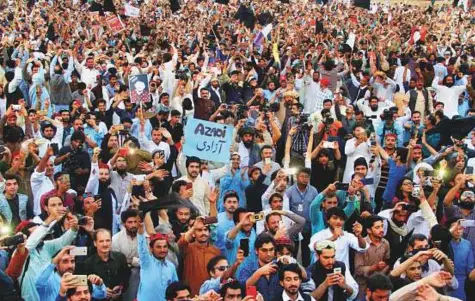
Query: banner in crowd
{"x": 131, "y": 11}
{"x": 138, "y": 87}
{"x": 208, "y": 140}
{"x": 115, "y": 24}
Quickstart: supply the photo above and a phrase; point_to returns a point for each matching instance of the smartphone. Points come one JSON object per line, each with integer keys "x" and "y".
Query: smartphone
{"x": 189, "y": 185}
{"x": 367, "y": 181}
{"x": 16, "y": 107}
{"x": 437, "y": 244}
{"x": 82, "y": 220}
{"x": 97, "y": 197}
{"x": 342, "y": 186}
{"x": 78, "y": 251}
{"x": 257, "y": 217}
{"x": 244, "y": 246}
{"x": 208, "y": 220}
{"x": 429, "y": 173}
{"x": 81, "y": 280}
{"x": 267, "y": 161}
{"x": 468, "y": 223}
{"x": 77, "y": 103}
{"x": 416, "y": 191}
{"x": 337, "y": 271}
{"x": 55, "y": 148}
{"x": 281, "y": 224}
{"x": 251, "y": 291}
{"x": 327, "y": 144}
{"x": 468, "y": 170}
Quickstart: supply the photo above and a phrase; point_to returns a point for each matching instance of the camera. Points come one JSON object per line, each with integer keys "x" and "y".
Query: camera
{"x": 302, "y": 121}
{"x": 327, "y": 119}
{"x": 388, "y": 114}
{"x": 12, "y": 241}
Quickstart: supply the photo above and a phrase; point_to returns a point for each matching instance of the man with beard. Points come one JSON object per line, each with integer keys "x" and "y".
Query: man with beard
{"x": 420, "y": 99}
{"x": 448, "y": 94}
{"x": 225, "y": 219}
{"x": 197, "y": 251}
{"x": 49, "y": 281}
{"x": 215, "y": 91}
{"x": 126, "y": 242}
{"x": 156, "y": 272}
{"x": 310, "y": 89}
{"x": 332, "y": 278}
{"x": 180, "y": 219}
{"x": 120, "y": 178}
{"x": 52, "y": 131}
{"x": 99, "y": 185}
{"x": 204, "y": 106}
{"x": 201, "y": 188}
{"x": 248, "y": 149}
{"x": 42, "y": 180}
{"x": 465, "y": 207}
{"x": 373, "y": 108}
{"x": 396, "y": 230}
{"x": 75, "y": 160}
{"x": 290, "y": 277}
{"x": 375, "y": 258}
{"x": 67, "y": 127}
{"x": 232, "y": 89}
{"x": 379, "y": 288}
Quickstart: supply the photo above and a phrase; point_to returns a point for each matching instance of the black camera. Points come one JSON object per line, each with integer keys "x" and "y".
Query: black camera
{"x": 12, "y": 241}
{"x": 302, "y": 121}
{"x": 327, "y": 118}
{"x": 242, "y": 112}
{"x": 388, "y": 114}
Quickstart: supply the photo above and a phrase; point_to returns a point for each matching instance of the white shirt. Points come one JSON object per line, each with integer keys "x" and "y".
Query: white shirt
{"x": 123, "y": 243}
{"x": 151, "y": 147}
{"x": 88, "y": 76}
{"x": 343, "y": 244}
{"x": 40, "y": 184}
{"x": 58, "y": 139}
{"x": 266, "y": 196}
{"x": 260, "y": 225}
{"x": 286, "y": 297}
{"x": 399, "y": 77}
{"x": 353, "y": 153}
{"x": 448, "y": 96}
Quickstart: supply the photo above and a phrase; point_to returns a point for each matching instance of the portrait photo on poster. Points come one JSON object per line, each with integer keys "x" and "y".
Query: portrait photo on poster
{"x": 139, "y": 88}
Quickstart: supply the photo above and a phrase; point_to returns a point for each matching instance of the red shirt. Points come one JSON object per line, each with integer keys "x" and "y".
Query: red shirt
{"x": 68, "y": 199}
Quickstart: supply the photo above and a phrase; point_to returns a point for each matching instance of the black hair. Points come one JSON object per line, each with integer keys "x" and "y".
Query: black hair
{"x": 177, "y": 185}
{"x": 234, "y": 284}
{"x": 78, "y": 136}
{"x": 237, "y": 212}
{"x": 402, "y": 153}
{"x": 128, "y": 214}
{"x": 11, "y": 177}
{"x": 416, "y": 237}
{"x": 293, "y": 267}
{"x": 379, "y": 281}
{"x": 371, "y": 220}
{"x": 268, "y": 216}
{"x": 100, "y": 230}
{"x": 275, "y": 195}
{"x": 230, "y": 194}
{"x": 266, "y": 147}
{"x": 192, "y": 159}
{"x": 70, "y": 292}
{"x": 263, "y": 238}
{"x": 338, "y": 212}
{"x": 174, "y": 288}
{"x": 305, "y": 170}
{"x": 214, "y": 261}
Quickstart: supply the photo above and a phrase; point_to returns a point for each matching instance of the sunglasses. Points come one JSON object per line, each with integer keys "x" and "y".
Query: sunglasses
{"x": 221, "y": 268}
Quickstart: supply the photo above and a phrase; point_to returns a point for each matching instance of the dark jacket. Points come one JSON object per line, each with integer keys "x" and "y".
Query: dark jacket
{"x": 254, "y": 194}
{"x": 318, "y": 274}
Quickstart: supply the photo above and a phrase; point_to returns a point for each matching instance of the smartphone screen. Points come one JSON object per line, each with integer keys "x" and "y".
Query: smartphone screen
{"x": 189, "y": 185}
{"x": 251, "y": 291}
{"x": 244, "y": 246}
{"x": 342, "y": 186}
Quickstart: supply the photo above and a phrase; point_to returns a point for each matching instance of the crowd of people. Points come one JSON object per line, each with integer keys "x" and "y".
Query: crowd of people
{"x": 350, "y": 173}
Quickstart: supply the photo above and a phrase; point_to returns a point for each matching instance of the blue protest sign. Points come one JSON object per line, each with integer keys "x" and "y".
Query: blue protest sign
{"x": 208, "y": 140}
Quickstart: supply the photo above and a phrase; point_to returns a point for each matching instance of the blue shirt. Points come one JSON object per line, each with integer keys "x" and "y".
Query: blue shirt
{"x": 155, "y": 275}
{"x": 317, "y": 217}
{"x": 237, "y": 183}
{"x": 49, "y": 283}
{"x": 232, "y": 246}
{"x": 210, "y": 284}
{"x": 464, "y": 264}
{"x": 396, "y": 173}
{"x": 224, "y": 225}
{"x": 3, "y": 260}
{"x": 299, "y": 202}
{"x": 269, "y": 289}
